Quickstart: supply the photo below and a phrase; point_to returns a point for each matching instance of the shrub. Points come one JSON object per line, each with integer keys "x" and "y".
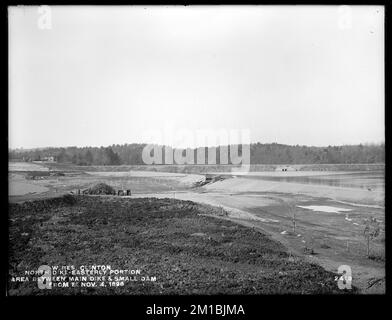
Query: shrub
{"x": 100, "y": 188}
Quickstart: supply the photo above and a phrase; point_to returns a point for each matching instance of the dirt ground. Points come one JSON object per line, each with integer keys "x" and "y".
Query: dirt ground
{"x": 180, "y": 243}
{"x": 267, "y": 206}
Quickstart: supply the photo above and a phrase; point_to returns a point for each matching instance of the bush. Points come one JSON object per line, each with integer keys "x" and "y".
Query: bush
{"x": 100, "y": 188}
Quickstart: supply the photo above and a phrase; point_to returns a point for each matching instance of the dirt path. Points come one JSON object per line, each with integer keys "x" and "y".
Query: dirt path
{"x": 369, "y": 279}
{"x": 271, "y": 217}
{"x": 336, "y": 238}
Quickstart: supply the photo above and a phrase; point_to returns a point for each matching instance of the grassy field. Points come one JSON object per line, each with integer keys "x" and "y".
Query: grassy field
{"x": 178, "y": 242}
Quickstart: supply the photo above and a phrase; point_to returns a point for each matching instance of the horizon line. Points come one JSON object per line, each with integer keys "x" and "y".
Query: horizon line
{"x": 216, "y": 146}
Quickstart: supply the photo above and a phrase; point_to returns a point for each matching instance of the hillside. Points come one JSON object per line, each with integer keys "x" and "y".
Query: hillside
{"x": 272, "y": 153}
{"x": 178, "y": 247}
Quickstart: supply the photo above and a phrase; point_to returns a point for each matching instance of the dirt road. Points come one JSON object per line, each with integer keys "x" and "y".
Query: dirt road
{"x": 335, "y": 238}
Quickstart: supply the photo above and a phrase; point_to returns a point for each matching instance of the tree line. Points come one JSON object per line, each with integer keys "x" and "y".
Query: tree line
{"x": 269, "y": 153}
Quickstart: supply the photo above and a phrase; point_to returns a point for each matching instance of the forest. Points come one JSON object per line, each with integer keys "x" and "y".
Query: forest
{"x": 269, "y": 153}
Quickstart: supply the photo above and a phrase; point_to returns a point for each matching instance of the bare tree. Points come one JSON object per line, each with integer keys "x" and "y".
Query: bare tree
{"x": 292, "y": 214}
{"x": 371, "y": 232}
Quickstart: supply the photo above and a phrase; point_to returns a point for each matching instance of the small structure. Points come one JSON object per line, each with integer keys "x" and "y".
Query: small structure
{"x": 285, "y": 168}
{"x": 124, "y": 192}
{"x": 49, "y": 159}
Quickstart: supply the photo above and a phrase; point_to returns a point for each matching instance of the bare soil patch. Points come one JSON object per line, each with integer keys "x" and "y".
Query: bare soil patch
{"x": 158, "y": 236}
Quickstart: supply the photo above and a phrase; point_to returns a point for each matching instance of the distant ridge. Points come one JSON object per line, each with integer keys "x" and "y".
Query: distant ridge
{"x": 270, "y": 153}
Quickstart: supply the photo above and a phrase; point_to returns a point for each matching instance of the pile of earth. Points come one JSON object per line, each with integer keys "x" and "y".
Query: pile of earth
{"x": 209, "y": 180}
{"x": 100, "y": 188}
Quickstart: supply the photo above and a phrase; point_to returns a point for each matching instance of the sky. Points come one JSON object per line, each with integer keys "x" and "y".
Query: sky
{"x": 96, "y": 76}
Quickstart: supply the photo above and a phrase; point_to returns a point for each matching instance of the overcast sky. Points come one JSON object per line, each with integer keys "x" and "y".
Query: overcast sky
{"x": 104, "y": 75}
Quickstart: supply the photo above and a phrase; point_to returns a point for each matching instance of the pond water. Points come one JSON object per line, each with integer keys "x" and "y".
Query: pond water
{"x": 363, "y": 180}
{"x": 328, "y": 209}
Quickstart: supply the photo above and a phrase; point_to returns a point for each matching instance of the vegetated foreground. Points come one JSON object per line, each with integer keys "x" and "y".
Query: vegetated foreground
{"x": 179, "y": 242}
